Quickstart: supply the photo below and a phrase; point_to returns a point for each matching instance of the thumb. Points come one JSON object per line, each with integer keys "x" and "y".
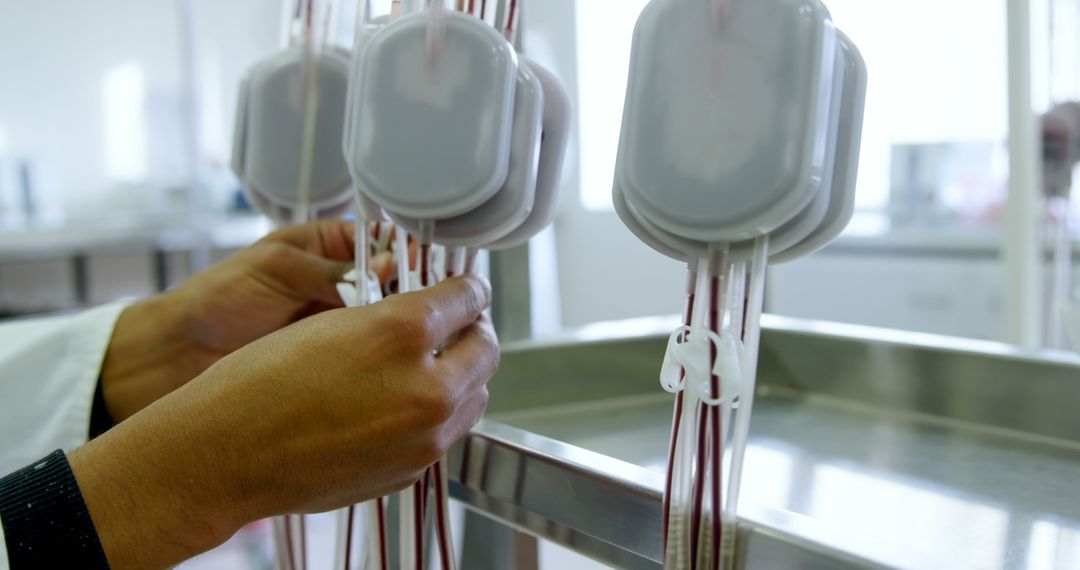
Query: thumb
{"x": 307, "y": 277}
{"x": 383, "y": 266}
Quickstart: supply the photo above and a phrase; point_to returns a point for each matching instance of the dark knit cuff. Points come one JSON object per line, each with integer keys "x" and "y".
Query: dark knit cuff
{"x": 46, "y": 523}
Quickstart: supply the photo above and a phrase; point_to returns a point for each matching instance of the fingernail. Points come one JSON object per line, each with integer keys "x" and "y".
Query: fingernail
{"x": 485, "y": 286}
{"x": 383, "y": 258}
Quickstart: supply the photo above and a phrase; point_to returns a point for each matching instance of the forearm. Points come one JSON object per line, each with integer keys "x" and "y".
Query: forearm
{"x": 160, "y": 489}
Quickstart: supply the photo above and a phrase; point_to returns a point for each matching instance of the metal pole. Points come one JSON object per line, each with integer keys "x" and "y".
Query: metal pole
{"x": 198, "y": 209}
{"x": 1021, "y": 249}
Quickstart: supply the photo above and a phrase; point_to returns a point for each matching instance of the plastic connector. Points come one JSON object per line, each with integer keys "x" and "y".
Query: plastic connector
{"x": 694, "y": 355}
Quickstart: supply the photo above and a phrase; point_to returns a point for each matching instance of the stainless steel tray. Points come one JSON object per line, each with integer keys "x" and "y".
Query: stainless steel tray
{"x": 868, "y": 448}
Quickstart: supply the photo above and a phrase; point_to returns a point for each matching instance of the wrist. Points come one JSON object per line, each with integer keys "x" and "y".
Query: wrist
{"x": 154, "y": 498}
{"x": 148, "y": 356}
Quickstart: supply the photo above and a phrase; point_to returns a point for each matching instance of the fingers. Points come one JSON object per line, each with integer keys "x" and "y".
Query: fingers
{"x": 304, "y": 276}
{"x": 463, "y": 420}
{"x": 471, "y": 358}
{"x": 383, "y": 266}
{"x": 441, "y": 311}
{"x": 332, "y": 239}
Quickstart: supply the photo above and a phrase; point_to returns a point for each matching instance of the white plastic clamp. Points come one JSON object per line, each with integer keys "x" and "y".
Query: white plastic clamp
{"x": 688, "y": 363}
{"x": 348, "y": 289}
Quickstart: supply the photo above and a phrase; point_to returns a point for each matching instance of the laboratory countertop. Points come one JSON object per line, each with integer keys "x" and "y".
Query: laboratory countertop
{"x": 900, "y": 490}
{"x": 128, "y": 235}
{"x": 869, "y": 448}
{"x": 977, "y": 242}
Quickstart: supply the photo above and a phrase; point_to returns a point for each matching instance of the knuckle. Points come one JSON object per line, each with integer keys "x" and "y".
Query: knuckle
{"x": 467, "y": 294}
{"x": 425, "y": 452}
{"x": 476, "y": 293}
{"x": 433, "y": 450}
{"x": 266, "y": 255}
{"x": 489, "y": 352}
{"x": 406, "y": 331}
{"x": 494, "y": 353}
{"x": 428, "y": 318}
{"x": 480, "y": 400}
{"x": 436, "y": 406}
{"x": 484, "y": 396}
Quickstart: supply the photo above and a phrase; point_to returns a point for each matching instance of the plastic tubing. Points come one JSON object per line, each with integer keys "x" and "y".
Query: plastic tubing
{"x": 375, "y": 514}
{"x": 408, "y": 519}
{"x": 684, "y": 523}
{"x": 512, "y": 16}
{"x": 360, "y": 261}
{"x": 377, "y": 555}
{"x": 709, "y": 431}
{"x": 733, "y": 323}
{"x": 676, "y": 419}
{"x": 344, "y": 538}
{"x": 283, "y": 551}
{"x": 310, "y": 99}
{"x": 737, "y": 298}
{"x": 455, "y": 261}
{"x": 298, "y": 542}
{"x": 700, "y": 460}
{"x": 470, "y": 259}
{"x": 718, "y": 271}
{"x": 752, "y": 342}
{"x": 436, "y": 475}
{"x": 436, "y": 26}
{"x": 295, "y": 543}
{"x": 401, "y": 239}
{"x": 721, "y": 10}
{"x": 420, "y": 488}
{"x": 442, "y": 515}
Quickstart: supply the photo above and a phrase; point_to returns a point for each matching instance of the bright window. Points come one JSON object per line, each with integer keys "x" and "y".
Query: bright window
{"x": 605, "y": 28}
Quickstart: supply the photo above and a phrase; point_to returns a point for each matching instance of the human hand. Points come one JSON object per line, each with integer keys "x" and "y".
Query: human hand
{"x": 163, "y": 342}
{"x": 336, "y": 409}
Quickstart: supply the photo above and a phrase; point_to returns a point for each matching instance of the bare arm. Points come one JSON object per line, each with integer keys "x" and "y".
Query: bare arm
{"x": 332, "y": 410}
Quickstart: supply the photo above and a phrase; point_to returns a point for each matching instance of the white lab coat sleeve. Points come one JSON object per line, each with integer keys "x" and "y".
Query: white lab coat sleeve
{"x": 49, "y": 370}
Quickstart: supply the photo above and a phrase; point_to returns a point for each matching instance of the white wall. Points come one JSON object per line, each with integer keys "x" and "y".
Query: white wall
{"x": 55, "y": 55}
{"x": 950, "y": 295}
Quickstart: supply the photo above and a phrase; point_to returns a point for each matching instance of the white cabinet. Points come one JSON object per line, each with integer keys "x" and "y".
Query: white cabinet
{"x": 958, "y": 296}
